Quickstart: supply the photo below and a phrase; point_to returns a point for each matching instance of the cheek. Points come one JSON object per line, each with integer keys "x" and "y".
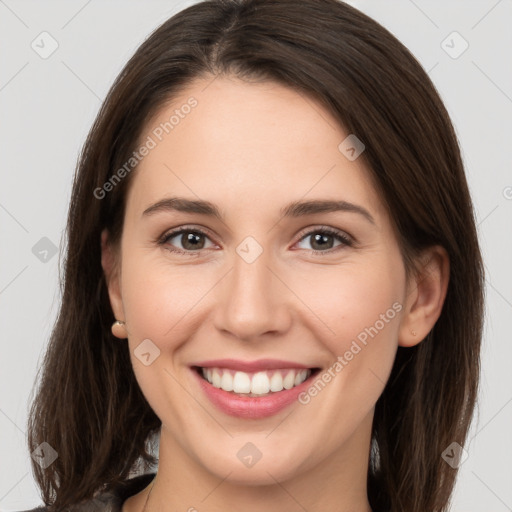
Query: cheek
{"x": 160, "y": 302}
{"x": 159, "y": 297}
{"x": 353, "y": 302}
{"x": 359, "y": 309}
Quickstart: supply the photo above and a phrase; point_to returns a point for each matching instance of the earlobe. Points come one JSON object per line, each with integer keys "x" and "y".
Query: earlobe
{"x": 111, "y": 270}
{"x": 425, "y": 297}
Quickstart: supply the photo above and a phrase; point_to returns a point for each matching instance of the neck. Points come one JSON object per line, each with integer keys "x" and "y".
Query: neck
{"x": 337, "y": 484}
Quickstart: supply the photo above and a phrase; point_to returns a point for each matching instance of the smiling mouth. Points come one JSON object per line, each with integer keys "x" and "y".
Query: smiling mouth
{"x": 255, "y": 384}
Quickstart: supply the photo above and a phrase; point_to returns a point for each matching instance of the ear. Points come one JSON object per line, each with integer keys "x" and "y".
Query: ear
{"x": 111, "y": 267}
{"x": 425, "y": 296}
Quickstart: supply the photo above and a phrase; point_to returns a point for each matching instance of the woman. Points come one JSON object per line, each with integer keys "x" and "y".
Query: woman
{"x": 273, "y": 264}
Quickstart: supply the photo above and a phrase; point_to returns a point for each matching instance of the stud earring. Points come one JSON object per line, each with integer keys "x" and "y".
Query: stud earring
{"x": 119, "y": 329}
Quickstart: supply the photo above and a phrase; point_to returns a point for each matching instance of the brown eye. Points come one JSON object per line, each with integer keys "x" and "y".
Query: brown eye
{"x": 323, "y": 240}
{"x": 191, "y": 240}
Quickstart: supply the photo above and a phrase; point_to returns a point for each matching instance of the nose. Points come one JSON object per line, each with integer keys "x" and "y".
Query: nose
{"x": 253, "y": 301}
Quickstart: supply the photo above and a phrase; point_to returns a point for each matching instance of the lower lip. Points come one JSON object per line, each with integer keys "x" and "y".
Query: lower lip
{"x": 251, "y": 407}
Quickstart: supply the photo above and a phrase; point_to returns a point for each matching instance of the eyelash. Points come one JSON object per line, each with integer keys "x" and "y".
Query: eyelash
{"x": 343, "y": 238}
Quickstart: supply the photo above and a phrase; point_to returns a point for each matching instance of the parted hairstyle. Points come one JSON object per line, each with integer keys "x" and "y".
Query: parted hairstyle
{"x": 88, "y": 405}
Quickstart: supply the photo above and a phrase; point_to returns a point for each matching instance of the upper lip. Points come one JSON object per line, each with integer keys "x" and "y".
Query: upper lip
{"x": 250, "y": 366}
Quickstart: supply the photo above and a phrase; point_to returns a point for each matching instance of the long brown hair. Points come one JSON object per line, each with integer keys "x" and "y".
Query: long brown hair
{"x": 88, "y": 405}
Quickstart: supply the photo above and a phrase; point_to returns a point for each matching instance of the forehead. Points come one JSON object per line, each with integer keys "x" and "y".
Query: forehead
{"x": 249, "y": 145}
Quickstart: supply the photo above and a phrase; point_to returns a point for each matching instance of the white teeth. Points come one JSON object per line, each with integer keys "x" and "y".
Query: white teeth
{"x": 226, "y": 382}
{"x": 241, "y": 383}
{"x": 214, "y": 377}
{"x": 300, "y": 377}
{"x": 276, "y": 382}
{"x": 289, "y": 380}
{"x": 255, "y": 384}
{"x": 260, "y": 383}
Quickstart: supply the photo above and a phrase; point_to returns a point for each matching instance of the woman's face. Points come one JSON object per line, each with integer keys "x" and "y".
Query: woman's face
{"x": 245, "y": 293}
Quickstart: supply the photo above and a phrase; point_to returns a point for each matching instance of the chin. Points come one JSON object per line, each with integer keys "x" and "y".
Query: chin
{"x": 277, "y": 465}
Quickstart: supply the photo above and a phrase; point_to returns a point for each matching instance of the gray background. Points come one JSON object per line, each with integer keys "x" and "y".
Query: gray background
{"x": 47, "y": 106}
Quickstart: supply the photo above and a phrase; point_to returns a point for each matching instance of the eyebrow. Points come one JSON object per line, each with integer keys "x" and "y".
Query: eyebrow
{"x": 294, "y": 209}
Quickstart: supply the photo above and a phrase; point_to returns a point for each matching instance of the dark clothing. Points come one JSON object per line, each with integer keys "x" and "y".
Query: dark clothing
{"x": 109, "y": 501}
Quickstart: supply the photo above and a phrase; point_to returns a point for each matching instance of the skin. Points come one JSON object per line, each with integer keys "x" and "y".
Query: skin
{"x": 252, "y": 148}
